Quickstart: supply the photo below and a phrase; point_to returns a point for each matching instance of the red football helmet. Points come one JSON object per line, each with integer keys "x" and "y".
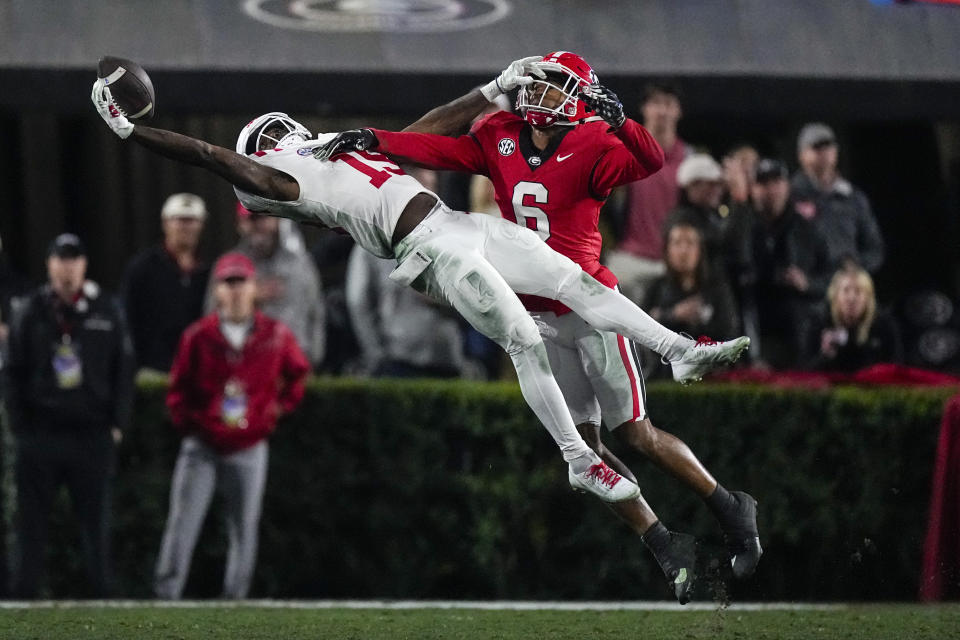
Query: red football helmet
{"x": 567, "y": 72}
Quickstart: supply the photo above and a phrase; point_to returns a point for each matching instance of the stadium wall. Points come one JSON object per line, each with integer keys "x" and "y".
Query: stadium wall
{"x": 423, "y": 489}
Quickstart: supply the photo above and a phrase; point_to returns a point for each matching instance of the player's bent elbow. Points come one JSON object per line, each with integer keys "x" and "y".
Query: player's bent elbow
{"x": 655, "y": 161}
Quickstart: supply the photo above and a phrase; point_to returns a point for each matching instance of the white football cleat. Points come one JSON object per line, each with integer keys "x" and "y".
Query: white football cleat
{"x": 705, "y": 355}
{"x": 603, "y": 482}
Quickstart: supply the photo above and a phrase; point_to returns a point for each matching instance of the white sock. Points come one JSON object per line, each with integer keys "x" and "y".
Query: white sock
{"x": 541, "y": 392}
{"x": 584, "y": 462}
{"x": 608, "y": 310}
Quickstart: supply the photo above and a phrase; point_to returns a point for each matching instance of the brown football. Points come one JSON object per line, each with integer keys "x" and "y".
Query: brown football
{"x": 129, "y": 85}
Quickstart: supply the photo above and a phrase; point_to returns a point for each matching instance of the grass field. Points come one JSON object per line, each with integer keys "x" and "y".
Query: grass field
{"x": 873, "y": 622}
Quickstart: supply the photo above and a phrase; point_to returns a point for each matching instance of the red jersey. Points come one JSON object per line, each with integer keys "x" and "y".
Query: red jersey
{"x": 230, "y": 399}
{"x": 556, "y": 192}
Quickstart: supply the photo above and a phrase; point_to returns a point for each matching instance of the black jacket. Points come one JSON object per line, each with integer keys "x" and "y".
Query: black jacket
{"x": 720, "y": 320}
{"x": 160, "y": 302}
{"x": 723, "y": 230}
{"x": 777, "y": 313}
{"x": 883, "y": 345}
{"x": 98, "y": 332}
{"x": 843, "y": 218}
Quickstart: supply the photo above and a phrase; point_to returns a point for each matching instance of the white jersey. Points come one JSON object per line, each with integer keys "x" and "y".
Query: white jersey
{"x": 361, "y": 192}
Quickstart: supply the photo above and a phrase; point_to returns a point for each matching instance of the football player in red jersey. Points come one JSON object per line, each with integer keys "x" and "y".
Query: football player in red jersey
{"x": 552, "y": 167}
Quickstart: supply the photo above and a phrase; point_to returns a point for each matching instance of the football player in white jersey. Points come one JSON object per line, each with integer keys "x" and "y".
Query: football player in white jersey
{"x": 468, "y": 261}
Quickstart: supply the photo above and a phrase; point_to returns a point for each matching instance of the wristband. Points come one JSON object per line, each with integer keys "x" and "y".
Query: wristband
{"x": 491, "y": 90}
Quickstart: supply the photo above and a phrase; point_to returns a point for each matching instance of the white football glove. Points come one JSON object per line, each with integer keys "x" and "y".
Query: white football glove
{"x": 517, "y": 73}
{"x": 109, "y": 110}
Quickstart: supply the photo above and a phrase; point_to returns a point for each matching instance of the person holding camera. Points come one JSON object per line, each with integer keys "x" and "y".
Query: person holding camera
{"x": 855, "y": 334}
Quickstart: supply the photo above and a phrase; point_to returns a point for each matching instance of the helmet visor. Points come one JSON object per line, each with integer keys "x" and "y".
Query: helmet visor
{"x": 269, "y": 131}
{"x": 557, "y": 95}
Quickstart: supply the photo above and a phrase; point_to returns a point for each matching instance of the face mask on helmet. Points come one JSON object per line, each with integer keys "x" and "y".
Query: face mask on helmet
{"x": 567, "y": 74}
{"x": 269, "y": 131}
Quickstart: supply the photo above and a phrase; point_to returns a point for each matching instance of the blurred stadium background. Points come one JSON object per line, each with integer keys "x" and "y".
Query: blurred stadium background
{"x": 885, "y": 75}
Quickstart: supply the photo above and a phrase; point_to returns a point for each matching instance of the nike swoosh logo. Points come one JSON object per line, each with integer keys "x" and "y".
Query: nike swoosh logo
{"x": 562, "y": 158}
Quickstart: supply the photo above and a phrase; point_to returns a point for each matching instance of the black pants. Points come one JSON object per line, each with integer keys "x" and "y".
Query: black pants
{"x": 83, "y": 461}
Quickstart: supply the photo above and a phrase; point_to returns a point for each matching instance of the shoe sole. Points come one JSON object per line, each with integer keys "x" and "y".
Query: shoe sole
{"x": 632, "y": 496}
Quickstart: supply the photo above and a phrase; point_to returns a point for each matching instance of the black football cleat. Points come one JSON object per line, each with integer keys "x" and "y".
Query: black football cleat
{"x": 740, "y": 532}
{"x": 678, "y": 565}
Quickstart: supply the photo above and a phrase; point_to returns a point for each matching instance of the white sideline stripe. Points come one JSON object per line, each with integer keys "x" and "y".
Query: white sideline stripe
{"x": 489, "y": 605}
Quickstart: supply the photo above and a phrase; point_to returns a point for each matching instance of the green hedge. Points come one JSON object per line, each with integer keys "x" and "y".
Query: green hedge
{"x": 425, "y": 489}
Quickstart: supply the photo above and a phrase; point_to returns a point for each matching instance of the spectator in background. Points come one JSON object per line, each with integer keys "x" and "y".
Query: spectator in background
{"x": 288, "y": 286}
{"x": 789, "y": 270}
{"x": 330, "y": 253}
{"x": 402, "y": 333}
{"x": 70, "y": 395}
{"x": 11, "y": 286}
{"x": 840, "y": 212}
{"x": 701, "y": 180}
{"x": 236, "y": 371}
{"x": 691, "y": 297}
{"x": 164, "y": 286}
{"x": 855, "y": 334}
{"x": 739, "y": 169}
{"x": 638, "y": 258}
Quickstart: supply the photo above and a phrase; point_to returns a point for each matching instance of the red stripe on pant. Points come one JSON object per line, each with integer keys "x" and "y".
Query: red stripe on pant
{"x": 628, "y": 365}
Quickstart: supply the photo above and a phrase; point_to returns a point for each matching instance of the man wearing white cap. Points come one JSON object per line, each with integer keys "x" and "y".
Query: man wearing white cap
{"x": 700, "y": 179}
{"x": 164, "y": 286}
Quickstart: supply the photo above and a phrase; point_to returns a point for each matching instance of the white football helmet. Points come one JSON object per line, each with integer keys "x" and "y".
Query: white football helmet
{"x": 251, "y": 136}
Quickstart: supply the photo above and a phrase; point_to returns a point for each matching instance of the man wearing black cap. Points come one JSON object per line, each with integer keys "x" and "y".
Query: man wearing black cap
{"x": 790, "y": 268}
{"x": 70, "y": 394}
{"x": 839, "y": 211}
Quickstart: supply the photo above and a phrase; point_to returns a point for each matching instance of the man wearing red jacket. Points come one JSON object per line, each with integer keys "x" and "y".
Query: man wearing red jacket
{"x": 553, "y": 166}
{"x": 235, "y": 372}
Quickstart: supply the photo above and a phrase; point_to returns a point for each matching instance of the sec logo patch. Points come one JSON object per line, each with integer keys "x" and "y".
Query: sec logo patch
{"x": 506, "y": 146}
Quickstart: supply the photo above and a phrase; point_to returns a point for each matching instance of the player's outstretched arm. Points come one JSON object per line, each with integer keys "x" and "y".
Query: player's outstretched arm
{"x": 455, "y": 117}
{"x": 240, "y": 171}
{"x": 452, "y": 118}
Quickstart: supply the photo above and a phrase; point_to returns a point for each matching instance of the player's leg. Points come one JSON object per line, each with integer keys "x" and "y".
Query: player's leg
{"x": 674, "y": 552}
{"x": 614, "y": 373}
{"x": 668, "y": 452}
{"x": 243, "y": 476}
{"x": 735, "y": 511}
{"x": 460, "y": 275}
{"x": 559, "y": 338}
{"x": 546, "y": 273}
{"x": 192, "y": 487}
{"x": 530, "y": 266}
